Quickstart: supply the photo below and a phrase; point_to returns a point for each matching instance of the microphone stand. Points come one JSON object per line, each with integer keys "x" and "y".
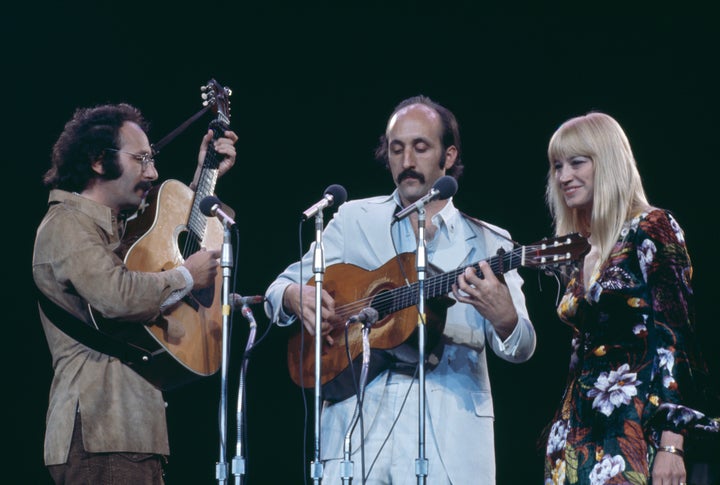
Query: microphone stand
{"x": 421, "y": 463}
{"x": 238, "y": 462}
{"x": 347, "y": 464}
{"x": 226, "y": 262}
{"x": 316, "y": 471}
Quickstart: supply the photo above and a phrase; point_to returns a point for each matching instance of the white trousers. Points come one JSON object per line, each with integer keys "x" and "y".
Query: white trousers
{"x": 391, "y": 446}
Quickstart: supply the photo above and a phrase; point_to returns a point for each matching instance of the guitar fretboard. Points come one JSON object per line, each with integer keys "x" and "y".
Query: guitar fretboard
{"x": 197, "y": 221}
{"x": 402, "y": 297}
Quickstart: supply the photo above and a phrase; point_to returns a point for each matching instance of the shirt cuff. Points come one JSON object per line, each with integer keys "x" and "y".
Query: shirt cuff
{"x": 509, "y": 346}
{"x": 177, "y": 295}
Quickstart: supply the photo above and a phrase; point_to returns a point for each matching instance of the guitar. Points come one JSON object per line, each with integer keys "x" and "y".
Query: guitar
{"x": 383, "y": 289}
{"x": 185, "y": 342}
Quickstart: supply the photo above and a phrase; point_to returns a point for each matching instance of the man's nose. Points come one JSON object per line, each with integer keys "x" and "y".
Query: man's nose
{"x": 408, "y": 158}
{"x": 151, "y": 172}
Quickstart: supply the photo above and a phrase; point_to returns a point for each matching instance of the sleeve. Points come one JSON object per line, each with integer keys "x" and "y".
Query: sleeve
{"x": 677, "y": 363}
{"x": 87, "y": 263}
{"x": 519, "y": 346}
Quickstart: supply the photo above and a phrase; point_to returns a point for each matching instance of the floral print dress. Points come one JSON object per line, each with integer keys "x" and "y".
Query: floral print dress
{"x": 631, "y": 362}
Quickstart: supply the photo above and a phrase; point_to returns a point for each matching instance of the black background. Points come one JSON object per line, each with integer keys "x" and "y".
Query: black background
{"x": 313, "y": 85}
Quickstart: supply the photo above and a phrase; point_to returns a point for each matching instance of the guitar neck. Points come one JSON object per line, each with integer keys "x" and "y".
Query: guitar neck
{"x": 197, "y": 221}
{"x": 501, "y": 263}
{"x": 441, "y": 284}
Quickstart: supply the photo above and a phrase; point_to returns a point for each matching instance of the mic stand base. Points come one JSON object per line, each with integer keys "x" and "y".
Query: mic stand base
{"x": 346, "y": 471}
{"x": 316, "y": 471}
{"x": 238, "y": 469}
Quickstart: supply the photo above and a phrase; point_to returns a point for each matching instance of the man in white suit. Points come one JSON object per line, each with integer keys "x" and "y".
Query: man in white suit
{"x": 420, "y": 145}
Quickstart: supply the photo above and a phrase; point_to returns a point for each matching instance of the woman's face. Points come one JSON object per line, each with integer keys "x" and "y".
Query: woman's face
{"x": 575, "y": 178}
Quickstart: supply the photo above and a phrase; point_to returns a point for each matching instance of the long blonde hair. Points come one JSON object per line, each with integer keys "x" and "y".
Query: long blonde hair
{"x": 618, "y": 193}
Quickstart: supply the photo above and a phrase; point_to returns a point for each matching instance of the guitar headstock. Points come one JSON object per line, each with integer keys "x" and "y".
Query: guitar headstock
{"x": 217, "y": 97}
{"x": 556, "y": 252}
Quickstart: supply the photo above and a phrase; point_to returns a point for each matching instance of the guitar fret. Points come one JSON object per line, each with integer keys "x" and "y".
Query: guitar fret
{"x": 405, "y": 299}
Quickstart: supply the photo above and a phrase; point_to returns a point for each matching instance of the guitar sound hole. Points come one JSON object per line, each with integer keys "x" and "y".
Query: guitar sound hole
{"x": 382, "y": 302}
{"x": 182, "y": 241}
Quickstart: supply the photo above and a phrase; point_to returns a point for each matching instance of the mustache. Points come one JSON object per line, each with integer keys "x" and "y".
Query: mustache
{"x": 410, "y": 173}
{"x": 144, "y": 186}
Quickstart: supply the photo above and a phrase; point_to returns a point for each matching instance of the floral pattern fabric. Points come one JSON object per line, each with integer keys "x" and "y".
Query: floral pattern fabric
{"x": 632, "y": 359}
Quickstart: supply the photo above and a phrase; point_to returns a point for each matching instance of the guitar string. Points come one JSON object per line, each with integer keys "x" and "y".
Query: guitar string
{"x": 388, "y": 302}
{"x": 196, "y": 224}
{"x": 405, "y": 296}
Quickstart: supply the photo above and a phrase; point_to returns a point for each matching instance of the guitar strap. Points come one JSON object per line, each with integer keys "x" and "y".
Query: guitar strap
{"x": 485, "y": 225}
{"x": 89, "y": 336}
{"x": 156, "y": 147}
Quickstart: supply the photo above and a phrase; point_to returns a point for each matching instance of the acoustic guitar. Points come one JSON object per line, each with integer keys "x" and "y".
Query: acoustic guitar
{"x": 185, "y": 342}
{"x": 384, "y": 289}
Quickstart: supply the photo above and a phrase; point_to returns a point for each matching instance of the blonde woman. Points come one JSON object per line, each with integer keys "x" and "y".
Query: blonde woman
{"x": 630, "y": 398}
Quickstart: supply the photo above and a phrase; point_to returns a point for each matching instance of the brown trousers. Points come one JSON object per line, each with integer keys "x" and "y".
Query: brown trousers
{"x": 83, "y": 468}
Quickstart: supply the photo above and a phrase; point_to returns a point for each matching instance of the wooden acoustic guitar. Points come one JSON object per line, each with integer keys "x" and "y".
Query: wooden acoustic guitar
{"x": 185, "y": 342}
{"x": 383, "y": 289}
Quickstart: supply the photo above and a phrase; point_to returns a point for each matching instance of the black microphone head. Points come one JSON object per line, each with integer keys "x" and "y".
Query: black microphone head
{"x": 338, "y": 193}
{"x": 207, "y": 204}
{"x": 446, "y": 186}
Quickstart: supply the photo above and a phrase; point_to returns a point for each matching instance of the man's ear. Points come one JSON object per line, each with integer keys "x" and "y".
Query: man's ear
{"x": 450, "y": 157}
{"x": 97, "y": 166}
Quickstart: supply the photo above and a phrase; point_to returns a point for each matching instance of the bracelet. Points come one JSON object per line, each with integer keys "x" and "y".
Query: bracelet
{"x": 673, "y": 450}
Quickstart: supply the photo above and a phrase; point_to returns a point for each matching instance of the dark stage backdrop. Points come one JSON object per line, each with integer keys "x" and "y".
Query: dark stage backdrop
{"x": 312, "y": 89}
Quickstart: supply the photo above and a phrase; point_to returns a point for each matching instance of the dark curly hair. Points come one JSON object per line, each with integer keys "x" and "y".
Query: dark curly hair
{"x": 84, "y": 140}
{"x": 450, "y": 134}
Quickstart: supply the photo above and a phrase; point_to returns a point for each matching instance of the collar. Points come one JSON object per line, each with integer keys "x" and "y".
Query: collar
{"x": 101, "y": 214}
{"x": 448, "y": 216}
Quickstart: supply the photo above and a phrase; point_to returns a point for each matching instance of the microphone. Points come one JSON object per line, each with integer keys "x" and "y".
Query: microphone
{"x": 248, "y": 314}
{"x": 239, "y": 301}
{"x": 443, "y": 188}
{"x": 334, "y": 195}
{"x": 367, "y": 316}
{"x": 211, "y": 206}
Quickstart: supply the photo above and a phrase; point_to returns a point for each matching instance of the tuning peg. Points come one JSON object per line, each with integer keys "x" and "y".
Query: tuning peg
{"x": 208, "y": 98}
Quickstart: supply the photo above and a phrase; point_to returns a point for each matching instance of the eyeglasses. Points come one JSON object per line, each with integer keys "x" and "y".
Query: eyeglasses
{"x": 145, "y": 159}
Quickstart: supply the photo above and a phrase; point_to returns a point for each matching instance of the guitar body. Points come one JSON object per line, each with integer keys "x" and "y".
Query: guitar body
{"x": 185, "y": 342}
{"x": 348, "y": 283}
{"x": 191, "y": 330}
